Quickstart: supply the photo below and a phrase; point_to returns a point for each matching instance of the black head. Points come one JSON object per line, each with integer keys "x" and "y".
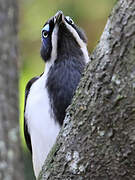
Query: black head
{"x": 61, "y": 37}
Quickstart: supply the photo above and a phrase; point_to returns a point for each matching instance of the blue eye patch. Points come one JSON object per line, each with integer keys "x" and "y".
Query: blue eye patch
{"x": 46, "y": 28}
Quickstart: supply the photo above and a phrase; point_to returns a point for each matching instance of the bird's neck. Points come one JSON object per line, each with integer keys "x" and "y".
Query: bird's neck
{"x": 81, "y": 56}
{"x": 80, "y": 53}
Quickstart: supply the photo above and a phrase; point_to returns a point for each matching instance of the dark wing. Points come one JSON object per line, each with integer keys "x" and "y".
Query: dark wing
{"x": 26, "y": 133}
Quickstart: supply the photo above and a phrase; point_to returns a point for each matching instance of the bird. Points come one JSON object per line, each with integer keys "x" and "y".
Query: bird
{"x": 64, "y": 51}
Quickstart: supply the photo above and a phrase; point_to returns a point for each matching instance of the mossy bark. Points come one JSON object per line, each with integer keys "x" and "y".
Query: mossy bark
{"x": 97, "y": 140}
{"x": 10, "y": 159}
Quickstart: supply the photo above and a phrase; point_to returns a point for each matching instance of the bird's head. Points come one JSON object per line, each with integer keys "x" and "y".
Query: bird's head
{"x": 62, "y": 38}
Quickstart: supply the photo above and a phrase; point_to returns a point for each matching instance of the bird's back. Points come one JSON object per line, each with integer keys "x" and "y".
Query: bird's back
{"x": 62, "y": 81}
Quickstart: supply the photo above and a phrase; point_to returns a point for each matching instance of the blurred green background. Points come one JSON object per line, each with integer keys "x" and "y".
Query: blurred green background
{"x": 91, "y": 15}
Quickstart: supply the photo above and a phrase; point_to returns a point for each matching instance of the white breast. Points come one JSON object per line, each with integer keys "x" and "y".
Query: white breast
{"x": 41, "y": 125}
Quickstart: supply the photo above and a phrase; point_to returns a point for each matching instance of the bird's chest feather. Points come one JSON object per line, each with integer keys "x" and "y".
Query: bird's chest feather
{"x": 41, "y": 125}
{"x": 37, "y": 106}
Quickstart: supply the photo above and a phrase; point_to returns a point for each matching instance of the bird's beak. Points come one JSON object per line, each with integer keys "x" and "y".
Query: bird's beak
{"x": 59, "y": 17}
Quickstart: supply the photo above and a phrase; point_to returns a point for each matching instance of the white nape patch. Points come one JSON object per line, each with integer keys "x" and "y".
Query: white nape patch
{"x": 42, "y": 127}
{"x": 82, "y": 44}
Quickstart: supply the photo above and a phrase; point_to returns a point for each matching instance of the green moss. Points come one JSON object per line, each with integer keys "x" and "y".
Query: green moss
{"x": 119, "y": 97}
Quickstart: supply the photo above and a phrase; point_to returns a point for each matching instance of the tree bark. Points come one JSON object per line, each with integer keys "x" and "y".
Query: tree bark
{"x": 97, "y": 140}
{"x": 10, "y": 153}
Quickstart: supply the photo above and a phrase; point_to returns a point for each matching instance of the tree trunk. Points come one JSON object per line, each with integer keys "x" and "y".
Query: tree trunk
{"x": 10, "y": 153}
{"x": 97, "y": 141}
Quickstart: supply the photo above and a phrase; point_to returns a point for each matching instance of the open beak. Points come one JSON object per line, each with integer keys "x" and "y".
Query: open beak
{"x": 59, "y": 17}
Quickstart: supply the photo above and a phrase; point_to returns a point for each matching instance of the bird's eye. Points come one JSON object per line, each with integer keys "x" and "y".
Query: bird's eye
{"x": 45, "y": 34}
{"x": 45, "y": 31}
{"x": 69, "y": 20}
